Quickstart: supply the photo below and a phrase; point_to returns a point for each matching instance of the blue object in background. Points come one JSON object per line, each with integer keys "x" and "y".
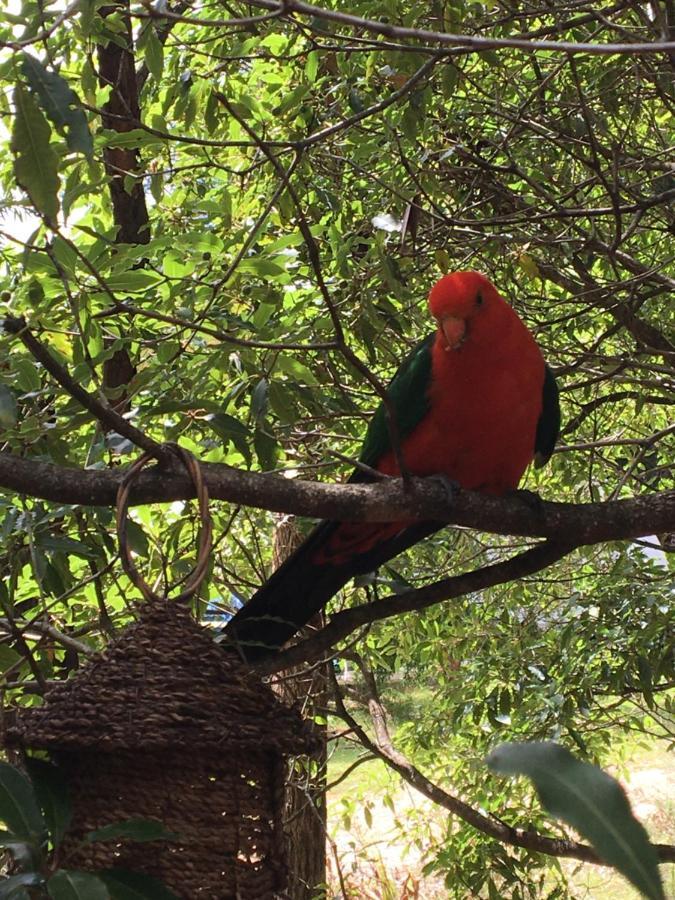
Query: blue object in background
{"x": 218, "y": 611}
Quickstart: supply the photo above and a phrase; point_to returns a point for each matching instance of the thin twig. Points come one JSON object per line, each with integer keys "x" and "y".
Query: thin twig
{"x": 37, "y": 630}
{"x": 476, "y": 43}
{"x": 315, "y": 261}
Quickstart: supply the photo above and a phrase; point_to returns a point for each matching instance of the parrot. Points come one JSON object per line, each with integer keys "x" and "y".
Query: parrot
{"x": 474, "y": 403}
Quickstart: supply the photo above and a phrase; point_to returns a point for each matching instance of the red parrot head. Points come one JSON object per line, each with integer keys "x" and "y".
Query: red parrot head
{"x": 467, "y": 305}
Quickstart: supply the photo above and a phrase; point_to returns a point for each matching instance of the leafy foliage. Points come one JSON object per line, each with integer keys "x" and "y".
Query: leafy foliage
{"x": 404, "y": 158}
{"x": 19, "y": 808}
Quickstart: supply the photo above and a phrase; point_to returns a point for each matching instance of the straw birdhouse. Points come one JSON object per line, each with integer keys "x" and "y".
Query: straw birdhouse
{"x": 167, "y": 725}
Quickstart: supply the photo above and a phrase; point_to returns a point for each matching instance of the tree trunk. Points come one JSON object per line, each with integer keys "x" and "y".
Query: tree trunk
{"x": 121, "y": 113}
{"x": 305, "y": 808}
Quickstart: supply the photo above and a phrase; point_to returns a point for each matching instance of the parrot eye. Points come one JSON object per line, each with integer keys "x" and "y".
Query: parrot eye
{"x": 479, "y": 299}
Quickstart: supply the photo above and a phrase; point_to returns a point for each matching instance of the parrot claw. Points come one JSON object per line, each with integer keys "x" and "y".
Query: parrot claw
{"x": 449, "y": 485}
{"x": 530, "y": 498}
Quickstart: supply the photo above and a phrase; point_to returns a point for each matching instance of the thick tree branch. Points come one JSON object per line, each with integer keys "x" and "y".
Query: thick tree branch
{"x": 123, "y": 168}
{"x": 580, "y": 523}
{"x": 121, "y": 110}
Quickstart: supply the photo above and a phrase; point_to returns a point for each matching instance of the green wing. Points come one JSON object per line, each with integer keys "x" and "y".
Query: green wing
{"x": 408, "y": 394}
{"x": 548, "y": 426}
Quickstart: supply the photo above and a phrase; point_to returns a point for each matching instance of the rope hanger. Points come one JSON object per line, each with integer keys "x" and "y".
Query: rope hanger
{"x": 196, "y": 577}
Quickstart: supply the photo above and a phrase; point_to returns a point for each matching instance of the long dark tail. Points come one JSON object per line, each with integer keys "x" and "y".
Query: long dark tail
{"x": 333, "y": 553}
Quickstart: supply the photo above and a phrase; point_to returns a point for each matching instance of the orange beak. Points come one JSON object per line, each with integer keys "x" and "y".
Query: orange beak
{"x": 454, "y": 331}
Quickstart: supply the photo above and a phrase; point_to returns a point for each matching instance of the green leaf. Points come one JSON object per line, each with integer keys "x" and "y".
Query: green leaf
{"x": 51, "y": 791}
{"x": 231, "y": 430}
{"x": 138, "y": 830}
{"x": 72, "y": 885}
{"x": 449, "y": 79}
{"x": 8, "y": 657}
{"x": 18, "y": 807}
{"x": 15, "y": 886}
{"x": 65, "y": 254}
{"x": 138, "y": 539}
{"x": 411, "y": 121}
{"x": 134, "y": 139}
{"x": 35, "y": 163}
{"x": 132, "y": 281}
{"x": 176, "y": 264}
{"x": 211, "y": 113}
{"x": 27, "y": 375}
{"x": 257, "y": 265}
{"x": 281, "y": 403}
{"x": 125, "y": 885}
{"x": 589, "y": 800}
{"x": 259, "y": 400}
{"x": 266, "y": 449}
{"x": 66, "y": 545}
{"x": 299, "y": 371}
{"x": 8, "y": 410}
{"x": 312, "y": 65}
{"x": 355, "y": 101}
{"x": 60, "y": 103}
{"x": 154, "y": 54}
{"x": 167, "y": 350}
{"x": 292, "y": 100}
{"x": 646, "y": 680}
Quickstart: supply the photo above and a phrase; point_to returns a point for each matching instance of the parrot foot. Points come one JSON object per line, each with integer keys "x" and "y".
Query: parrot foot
{"x": 449, "y": 485}
{"x": 530, "y": 498}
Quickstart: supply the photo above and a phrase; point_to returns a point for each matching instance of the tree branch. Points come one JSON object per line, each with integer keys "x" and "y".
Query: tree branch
{"x": 459, "y": 40}
{"x": 344, "y": 623}
{"x": 517, "y": 837}
{"x": 33, "y": 631}
{"x": 580, "y": 523}
{"x": 105, "y": 415}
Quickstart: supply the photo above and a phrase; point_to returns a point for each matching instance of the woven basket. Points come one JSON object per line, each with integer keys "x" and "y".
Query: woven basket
{"x": 166, "y": 725}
